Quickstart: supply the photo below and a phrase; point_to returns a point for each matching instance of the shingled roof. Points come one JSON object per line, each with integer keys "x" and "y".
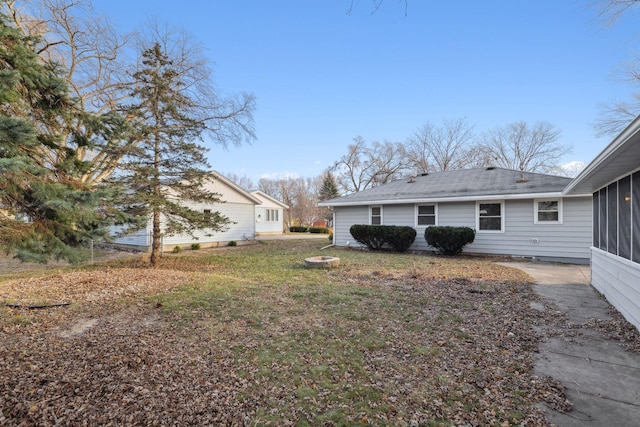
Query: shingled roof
{"x": 466, "y": 184}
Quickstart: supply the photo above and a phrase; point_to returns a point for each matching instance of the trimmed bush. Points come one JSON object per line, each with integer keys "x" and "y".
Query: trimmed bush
{"x": 400, "y": 238}
{"x": 232, "y": 243}
{"x": 375, "y": 237}
{"x": 195, "y": 246}
{"x": 449, "y": 240}
{"x": 298, "y": 229}
{"x": 176, "y": 249}
{"x": 319, "y": 230}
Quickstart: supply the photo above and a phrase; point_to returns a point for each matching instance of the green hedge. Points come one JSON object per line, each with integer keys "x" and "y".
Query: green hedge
{"x": 375, "y": 237}
{"x": 449, "y": 240}
{"x": 298, "y": 229}
{"x": 319, "y": 230}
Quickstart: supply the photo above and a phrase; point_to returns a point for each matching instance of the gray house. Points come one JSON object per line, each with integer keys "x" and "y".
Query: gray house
{"x": 613, "y": 178}
{"x": 521, "y": 214}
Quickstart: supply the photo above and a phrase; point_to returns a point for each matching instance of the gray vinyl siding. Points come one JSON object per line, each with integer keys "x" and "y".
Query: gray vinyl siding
{"x": 569, "y": 241}
{"x": 617, "y": 279}
{"x": 345, "y": 217}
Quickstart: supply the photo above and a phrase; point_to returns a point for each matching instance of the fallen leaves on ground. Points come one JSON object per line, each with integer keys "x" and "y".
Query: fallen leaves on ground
{"x": 375, "y": 345}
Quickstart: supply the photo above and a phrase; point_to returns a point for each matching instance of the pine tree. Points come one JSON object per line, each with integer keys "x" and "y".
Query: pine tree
{"x": 168, "y": 166}
{"x": 329, "y": 189}
{"x": 44, "y": 210}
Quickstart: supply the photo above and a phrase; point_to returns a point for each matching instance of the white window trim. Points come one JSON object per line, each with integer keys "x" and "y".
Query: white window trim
{"x": 371, "y": 216}
{"x": 503, "y": 215}
{"x": 535, "y": 210}
{"x": 435, "y": 211}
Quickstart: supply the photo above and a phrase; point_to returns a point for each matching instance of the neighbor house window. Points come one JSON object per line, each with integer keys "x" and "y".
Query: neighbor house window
{"x": 207, "y": 214}
{"x": 548, "y": 211}
{"x": 490, "y": 216}
{"x": 426, "y": 215}
{"x": 376, "y": 215}
{"x": 272, "y": 215}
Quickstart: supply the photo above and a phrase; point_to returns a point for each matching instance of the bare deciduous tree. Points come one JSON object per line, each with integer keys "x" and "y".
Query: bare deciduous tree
{"x": 616, "y": 115}
{"x": 522, "y": 147}
{"x": 97, "y": 70}
{"x": 432, "y": 148}
{"x": 367, "y": 166}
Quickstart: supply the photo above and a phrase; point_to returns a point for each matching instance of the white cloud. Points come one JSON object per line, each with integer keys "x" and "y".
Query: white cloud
{"x": 280, "y": 175}
{"x": 571, "y": 169}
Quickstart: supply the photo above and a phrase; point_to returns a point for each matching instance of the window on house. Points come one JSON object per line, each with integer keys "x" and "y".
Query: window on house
{"x": 603, "y": 219}
{"x": 596, "y": 219}
{"x": 490, "y": 216}
{"x": 275, "y": 215}
{"x": 376, "y": 215}
{"x": 635, "y": 216}
{"x": 207, "y": 214}
{"x": 612, "y": 218}
{"x": 624, "y": 217}
{"x": 548, "y": 211}
{"x": 426, "y": 215}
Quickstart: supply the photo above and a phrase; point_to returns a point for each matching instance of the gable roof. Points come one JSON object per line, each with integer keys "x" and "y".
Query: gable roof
{"x": 466, "y": 184}
{"x": 265, "y": 197}
{"x": 243, "y": 193}
{"x": 619, "y": 158}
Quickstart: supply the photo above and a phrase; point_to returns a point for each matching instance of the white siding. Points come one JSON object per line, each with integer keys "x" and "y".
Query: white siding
{"x": 568, "y": 241}
{"x": 140, "y": 238}
{"x": 243, "y": 229}
{"x": 268, "y": 227}
{"x": 618, "y": 280}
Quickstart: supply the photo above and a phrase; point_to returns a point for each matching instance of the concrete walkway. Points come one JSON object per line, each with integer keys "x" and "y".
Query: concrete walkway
{"x": 601, "y": 377}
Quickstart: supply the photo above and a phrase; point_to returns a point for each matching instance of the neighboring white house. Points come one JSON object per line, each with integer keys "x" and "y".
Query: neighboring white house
{"x": 514, "y": 213}
{"x": 269, "y": 214}
{"x": 238, "y": 205}
{"x": 613, "y": 178}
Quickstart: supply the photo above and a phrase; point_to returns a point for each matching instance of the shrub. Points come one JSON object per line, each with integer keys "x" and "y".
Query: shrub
{"x": 195, "y": 246}
{"x": 232, "y": 243}
{"x": 319, "y": 230}
{"x": 400, "y": 238}
{"x": 177, "y": 250}
{"x": 298, "y": 229}
{"x": 449, "y": 240}
{"x": 373, "y": 236}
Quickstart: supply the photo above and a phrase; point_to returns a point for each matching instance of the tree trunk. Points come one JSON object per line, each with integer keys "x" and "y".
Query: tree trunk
{"x": 156, "y": 250}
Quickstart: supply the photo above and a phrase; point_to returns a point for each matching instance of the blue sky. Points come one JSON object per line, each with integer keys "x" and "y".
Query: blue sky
{"x": 322, "y": 77}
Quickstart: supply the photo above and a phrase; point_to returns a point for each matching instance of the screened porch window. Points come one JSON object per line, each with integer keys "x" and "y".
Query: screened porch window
{"x": 616, "y": 218}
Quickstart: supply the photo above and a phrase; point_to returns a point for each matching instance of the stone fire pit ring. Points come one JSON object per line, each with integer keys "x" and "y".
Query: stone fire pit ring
{"x": 322, "y": 262}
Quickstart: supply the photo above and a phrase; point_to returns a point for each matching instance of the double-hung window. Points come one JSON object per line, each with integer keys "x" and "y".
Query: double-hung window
{"x": 547, "y": 211}
{"x": 490, "y": 216}
{"x": 376, "y": 215}
{"x": 426, "y": 215}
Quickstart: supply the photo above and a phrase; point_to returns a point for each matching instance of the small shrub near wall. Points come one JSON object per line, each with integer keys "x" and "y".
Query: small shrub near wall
{"x": 319, "y": 230}
{"x": 449, "y": 240}
{"x": 298, "y": 229}
{"x": 400, "y": 238}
